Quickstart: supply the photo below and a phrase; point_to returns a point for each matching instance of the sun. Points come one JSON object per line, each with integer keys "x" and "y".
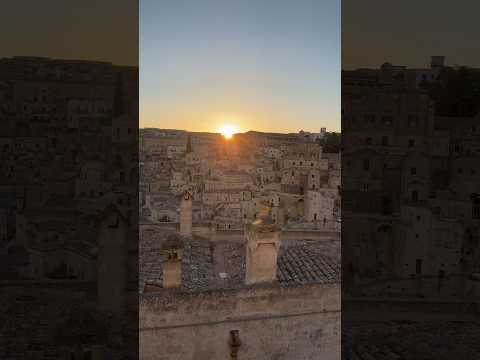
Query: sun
{"x": 228, "y": 130}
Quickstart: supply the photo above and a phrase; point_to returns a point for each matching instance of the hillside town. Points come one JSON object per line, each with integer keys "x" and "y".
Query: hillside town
{"x": 229, "y": 179}
{"x": 239, "y": 239}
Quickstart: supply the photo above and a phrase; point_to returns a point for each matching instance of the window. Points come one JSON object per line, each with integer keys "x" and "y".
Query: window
{"x": 370, "y": 118}
{"x": 476, "y": 209}
{"x": 366, "y": 164}
{"x": 412, "y": 121}
{"x": 87, "y": 355}
{"x": 415, "y": 196}
{"x": 413, "y": 171}
{"x": 418, "y": 266}
{"x": 368, "y": 141}
{"x": 385, "y": 140}
{"x": 387, "y": 121}
{"x": 441, "y": 274}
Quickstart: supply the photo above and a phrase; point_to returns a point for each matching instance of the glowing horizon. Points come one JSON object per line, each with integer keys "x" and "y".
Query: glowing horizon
{"x": 270, "y": 66}
{"x": 228, "y": 130}
{"x": 212, "y": 124}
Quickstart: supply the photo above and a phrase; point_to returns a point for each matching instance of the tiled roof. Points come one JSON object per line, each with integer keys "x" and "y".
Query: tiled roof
{"x": 305, "y": 264}
{"x": 299, "y": 263}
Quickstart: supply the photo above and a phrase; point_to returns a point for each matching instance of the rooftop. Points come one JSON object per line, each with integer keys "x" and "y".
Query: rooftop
{"x": 220, "y": 265}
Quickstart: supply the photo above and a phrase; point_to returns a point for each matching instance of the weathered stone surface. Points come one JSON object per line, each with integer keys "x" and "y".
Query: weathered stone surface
{"x": 274, "y": 322}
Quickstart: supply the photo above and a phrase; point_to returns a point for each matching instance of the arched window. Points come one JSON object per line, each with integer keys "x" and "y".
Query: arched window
{"x": 415, "y": 196}
{"x": 475, "y": 206}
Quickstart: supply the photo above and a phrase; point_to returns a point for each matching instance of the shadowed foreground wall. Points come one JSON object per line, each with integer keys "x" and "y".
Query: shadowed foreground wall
{"x": 273, "y": 323}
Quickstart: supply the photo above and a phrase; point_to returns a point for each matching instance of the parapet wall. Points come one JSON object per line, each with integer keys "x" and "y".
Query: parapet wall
{"x": 204, "y": 230}
{"x": 273, "y": 323}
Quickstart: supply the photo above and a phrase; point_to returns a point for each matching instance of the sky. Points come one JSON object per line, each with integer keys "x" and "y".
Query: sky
{"x": 105, "y": 30}
{"x": 409, "y": 32}
{"x": 263, "y": 65}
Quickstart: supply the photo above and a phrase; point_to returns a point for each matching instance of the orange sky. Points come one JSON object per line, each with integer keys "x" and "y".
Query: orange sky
{"x": 270, "y": 65}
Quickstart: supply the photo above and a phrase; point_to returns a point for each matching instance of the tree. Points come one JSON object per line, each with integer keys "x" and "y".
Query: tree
{"x": 331, "y": 142}
{"x": 456, "y": 92}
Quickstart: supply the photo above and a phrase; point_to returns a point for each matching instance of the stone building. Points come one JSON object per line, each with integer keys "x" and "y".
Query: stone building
{"x": 229, "y": 179}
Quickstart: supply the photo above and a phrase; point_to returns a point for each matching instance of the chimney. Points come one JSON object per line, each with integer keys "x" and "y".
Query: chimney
{"x": 263, "y": 245}
{"x": 172, "y": 249}
{"x": 186, "y": 214}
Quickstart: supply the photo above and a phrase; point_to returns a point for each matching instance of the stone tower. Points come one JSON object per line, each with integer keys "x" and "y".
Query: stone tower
{"x": 263, "y": 245}
{"x": 186, "y": 214}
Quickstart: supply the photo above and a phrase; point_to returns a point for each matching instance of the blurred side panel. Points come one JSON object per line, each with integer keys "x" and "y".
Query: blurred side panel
{"x": 410, "y": 180}
{"x": 69, "y": 180}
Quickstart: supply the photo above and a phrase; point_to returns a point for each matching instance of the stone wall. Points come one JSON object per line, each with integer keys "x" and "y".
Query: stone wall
{"x": 204, "y": 230}
{"x": 273, "y": 323}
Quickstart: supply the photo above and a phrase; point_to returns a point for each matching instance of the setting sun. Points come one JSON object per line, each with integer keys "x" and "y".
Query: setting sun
{"x": 228, "y": 130}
